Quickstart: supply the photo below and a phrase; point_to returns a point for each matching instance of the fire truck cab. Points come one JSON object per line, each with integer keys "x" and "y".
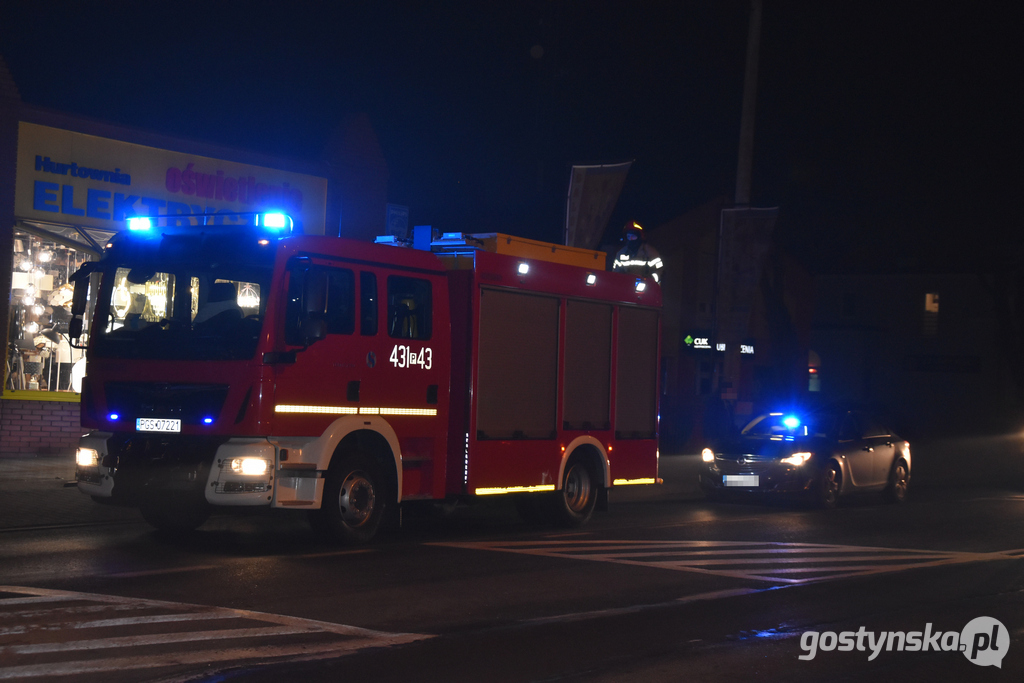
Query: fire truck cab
{"x": 240, "y": 365}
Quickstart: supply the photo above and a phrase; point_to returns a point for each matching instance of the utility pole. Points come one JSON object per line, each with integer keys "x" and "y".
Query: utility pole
{"x": 746, "y": 153}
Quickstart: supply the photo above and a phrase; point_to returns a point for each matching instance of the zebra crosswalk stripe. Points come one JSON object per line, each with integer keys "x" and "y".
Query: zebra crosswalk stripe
{"x": 50, "y": 633}
{"x": 780, "y": 563}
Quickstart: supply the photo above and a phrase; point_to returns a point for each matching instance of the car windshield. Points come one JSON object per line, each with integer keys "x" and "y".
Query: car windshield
{"x": 782, "y": 426}
{"x": 180, "y": 311}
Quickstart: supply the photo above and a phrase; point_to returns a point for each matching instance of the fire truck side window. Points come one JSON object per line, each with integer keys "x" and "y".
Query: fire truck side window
{"x": 338, "y": 302}
{"x": 409, "y": 307}
{"x": 367, "y": 303}
{"x": 340, "y": 315}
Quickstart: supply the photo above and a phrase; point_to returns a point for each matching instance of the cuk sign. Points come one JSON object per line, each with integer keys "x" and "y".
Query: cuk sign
{"x": 699, "y": 341}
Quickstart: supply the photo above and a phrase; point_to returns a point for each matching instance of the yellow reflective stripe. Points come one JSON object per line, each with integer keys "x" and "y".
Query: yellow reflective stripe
{"x": 353, "y": 410}
{"x": 626, "y": 482}
{"x": 332, "y": 410}
{"x": 514, "y": 489}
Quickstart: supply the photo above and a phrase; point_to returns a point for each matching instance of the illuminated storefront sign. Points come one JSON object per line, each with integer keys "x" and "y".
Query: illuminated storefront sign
{"x": 699, "y": 341}
{"x": 67, "y": 181}
{"x": 85, "y": 180}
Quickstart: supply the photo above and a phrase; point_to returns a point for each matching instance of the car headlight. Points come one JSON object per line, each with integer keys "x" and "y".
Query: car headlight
{"x": 797, "y": 459}
{"x": 249, "y": 466}
{"x": 707, "y": 455}
{"x": 87, "y": 457}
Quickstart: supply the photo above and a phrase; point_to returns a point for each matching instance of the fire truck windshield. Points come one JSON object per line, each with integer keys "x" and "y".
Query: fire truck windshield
{"x": 180, "y": 311}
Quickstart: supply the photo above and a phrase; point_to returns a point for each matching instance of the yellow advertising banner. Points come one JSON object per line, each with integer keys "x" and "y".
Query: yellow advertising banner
{"x": 74, "y": 178}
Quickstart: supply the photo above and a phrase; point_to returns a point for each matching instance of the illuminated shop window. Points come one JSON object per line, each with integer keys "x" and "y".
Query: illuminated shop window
{"x": 813, "y": 371}
{"x": 39, "y": 356}
{"x": 930, "y": 319}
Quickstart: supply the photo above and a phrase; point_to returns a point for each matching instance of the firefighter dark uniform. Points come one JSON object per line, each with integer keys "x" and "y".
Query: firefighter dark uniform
{"x": 636, "y": 256}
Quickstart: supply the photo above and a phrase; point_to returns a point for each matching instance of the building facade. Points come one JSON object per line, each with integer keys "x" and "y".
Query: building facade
{"x": 66, "y": 186}
{"x": 924, "y": 349}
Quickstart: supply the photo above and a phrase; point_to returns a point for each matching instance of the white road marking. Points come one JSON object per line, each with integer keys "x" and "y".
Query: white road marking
{"x": 28, "y": 629}
{"x": 780, "y": 563}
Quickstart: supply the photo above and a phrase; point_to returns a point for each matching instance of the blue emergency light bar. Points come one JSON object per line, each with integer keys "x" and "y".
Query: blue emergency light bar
{"x": 140, "y": 223}
{"x": 273, "y": 221}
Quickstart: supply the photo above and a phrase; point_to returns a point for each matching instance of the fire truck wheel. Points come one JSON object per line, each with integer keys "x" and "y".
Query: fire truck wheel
{"x": 175, "y": 518}
{"x": 575, "y": 502}
{"x": 354, "y": 500}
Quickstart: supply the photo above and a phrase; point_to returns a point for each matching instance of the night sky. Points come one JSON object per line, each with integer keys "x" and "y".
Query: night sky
{"x": 888, "y": 134}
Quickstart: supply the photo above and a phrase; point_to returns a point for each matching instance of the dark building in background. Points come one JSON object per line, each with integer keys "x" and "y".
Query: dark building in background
{"x": 925, "y": 349}
{"x": 66, "y": 184}
{"x": 769, "y": 365}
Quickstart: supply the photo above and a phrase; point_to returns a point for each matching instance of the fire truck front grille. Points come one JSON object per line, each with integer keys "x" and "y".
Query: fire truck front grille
{"x": 190, "y": 403}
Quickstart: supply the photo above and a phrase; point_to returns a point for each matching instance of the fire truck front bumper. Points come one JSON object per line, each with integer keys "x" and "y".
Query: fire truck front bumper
{"x": 130, "y": 469}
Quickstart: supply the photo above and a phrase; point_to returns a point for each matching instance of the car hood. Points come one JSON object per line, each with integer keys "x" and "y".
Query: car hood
{"x": 767, "y": 449}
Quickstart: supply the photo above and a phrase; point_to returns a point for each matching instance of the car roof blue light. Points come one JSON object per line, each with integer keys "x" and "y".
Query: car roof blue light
{"x": 791, "y": 421}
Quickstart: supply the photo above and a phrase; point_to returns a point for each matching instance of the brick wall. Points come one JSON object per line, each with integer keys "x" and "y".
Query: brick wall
{"x": 38, "y": 427}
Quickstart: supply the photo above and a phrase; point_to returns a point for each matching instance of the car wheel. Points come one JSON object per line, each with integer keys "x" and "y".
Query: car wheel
{"x": 575, "y": 502}
{"x": 354, "y": 500}
{"x": 828, "y": 487}
{"x": 899, "y": 482}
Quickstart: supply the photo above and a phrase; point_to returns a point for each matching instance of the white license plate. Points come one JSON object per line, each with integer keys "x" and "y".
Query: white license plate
{"x": 748, "y": 480}
{"x": 149, "y": 424}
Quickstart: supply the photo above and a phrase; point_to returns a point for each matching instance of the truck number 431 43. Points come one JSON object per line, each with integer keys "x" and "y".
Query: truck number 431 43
{"x": 405, "y": 357}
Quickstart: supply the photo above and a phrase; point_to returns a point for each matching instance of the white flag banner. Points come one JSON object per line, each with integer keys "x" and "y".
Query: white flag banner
{"x": 593, "y": 193}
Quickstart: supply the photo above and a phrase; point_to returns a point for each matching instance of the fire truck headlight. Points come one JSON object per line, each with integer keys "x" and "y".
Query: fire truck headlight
{"x": 87, "y": 457}
{"x": 249, "y": 466}
{"x": 640, "y": 285}
{"x": 524, "y": 268}
{"x": 707, "y": 455}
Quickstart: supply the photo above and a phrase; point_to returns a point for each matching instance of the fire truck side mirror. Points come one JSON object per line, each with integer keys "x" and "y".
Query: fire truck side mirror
{"x": 313, "y": 329}
{"x": 80, "y": 298}
{"x": 313, "y": 325}
{"x": 81, "y": 293}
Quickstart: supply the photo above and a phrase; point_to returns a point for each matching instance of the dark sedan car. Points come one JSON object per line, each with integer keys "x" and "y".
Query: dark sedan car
{"x": 825, "y": 455}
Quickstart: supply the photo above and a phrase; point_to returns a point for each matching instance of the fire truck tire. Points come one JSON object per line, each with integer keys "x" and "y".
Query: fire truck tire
{"x": 574, "y": 504}
{"x": 175, "y": 518}
{"x": 354, "y": 501}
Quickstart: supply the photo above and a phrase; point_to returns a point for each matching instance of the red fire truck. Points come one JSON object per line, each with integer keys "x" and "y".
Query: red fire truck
{"x": 243, "y": 365}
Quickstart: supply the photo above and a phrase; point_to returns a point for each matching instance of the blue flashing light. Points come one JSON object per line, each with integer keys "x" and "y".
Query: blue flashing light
{"x": 275, "y": 221}
{"x": 791, "y": 421}
{"x": 207, "y": 420}
{"x": 114, "y": 417}
{"x": 140, "y": 223}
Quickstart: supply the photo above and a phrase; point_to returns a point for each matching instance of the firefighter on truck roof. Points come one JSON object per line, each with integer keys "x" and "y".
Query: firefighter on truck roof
{"x": 636, "y": 256}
